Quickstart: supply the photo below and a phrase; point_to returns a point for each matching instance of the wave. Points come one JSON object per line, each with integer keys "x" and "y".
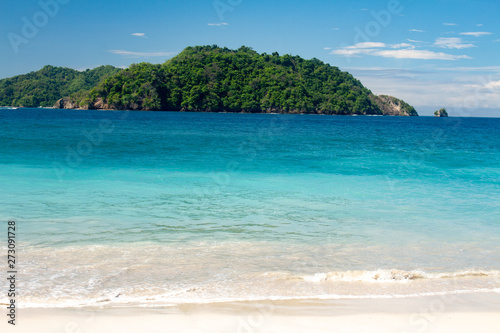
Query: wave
{"x": 165, "y": 301}
{"x": 393, "y": 275}
{"x": 126, "y": 289}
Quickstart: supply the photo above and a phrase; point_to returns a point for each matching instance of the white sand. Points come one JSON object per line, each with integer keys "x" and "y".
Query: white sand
{"x": 461, "y": 313}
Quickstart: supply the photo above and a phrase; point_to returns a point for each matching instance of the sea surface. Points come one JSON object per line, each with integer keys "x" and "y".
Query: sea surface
{"x": 117, "y": 208}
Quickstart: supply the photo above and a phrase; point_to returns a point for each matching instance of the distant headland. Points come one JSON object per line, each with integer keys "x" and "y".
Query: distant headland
{"x": 205, "y": 79}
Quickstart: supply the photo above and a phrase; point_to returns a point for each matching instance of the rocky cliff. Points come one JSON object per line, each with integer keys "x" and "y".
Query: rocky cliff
{"x": 392, "y": 106}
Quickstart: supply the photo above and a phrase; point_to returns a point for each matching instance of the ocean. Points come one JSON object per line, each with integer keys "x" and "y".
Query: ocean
{"x": 118, "y": 208}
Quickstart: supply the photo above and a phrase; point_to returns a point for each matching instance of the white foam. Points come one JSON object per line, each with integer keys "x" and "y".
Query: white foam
{"x": 393, "y": 275}
{"x": 164, "y": 301}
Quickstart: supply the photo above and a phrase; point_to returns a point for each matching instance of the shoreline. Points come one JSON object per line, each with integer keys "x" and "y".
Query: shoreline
{"x": 199, "y": 111}
{"x": 229, "y": 112}
{"x": 450, "y": 313}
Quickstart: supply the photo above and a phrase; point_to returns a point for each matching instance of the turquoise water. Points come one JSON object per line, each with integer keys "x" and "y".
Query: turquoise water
{"x": 172, "y": 207}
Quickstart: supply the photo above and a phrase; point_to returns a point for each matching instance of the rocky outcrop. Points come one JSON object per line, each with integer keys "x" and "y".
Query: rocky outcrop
{"x": 441, "y": 113}
{"x": 100, "y": 104}
{"x": 66, "y": 103}
{"x": 392, "y": 106}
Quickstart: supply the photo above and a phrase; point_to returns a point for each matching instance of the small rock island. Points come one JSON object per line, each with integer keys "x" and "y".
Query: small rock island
{"x": 441, "y": 113}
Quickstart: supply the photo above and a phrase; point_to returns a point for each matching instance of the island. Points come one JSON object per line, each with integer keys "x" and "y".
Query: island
{"x": 45, "y": 86}
{"x": 441, "y": 113}
{"x": 206, "y": 79}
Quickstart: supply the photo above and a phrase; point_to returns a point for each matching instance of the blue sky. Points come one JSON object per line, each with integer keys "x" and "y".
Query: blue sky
{"x": 432, "y": 54}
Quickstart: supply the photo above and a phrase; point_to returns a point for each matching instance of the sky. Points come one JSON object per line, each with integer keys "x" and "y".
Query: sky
{"x": 432, "y": 54}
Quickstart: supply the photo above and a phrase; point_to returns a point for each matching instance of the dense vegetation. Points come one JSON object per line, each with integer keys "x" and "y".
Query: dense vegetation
{"x": 205, "y": 78}
{"x": 46, "y": 86}
{"x": 209, "y": 78}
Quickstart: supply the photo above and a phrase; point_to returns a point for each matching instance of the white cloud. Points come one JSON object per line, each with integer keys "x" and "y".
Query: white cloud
{"x": 479, "y": 25}
{"x": 142, "y": 54}
{"x": 476, "y": 33}
{"x": 366, "y": 45}
{"x": 359, "y": 48}
{"x": 450, "y": 24}
{"x": 482, "y": 85}
{"x": 492, "y": 85}
{"x": 139, "y": 34}
{"x": 414, "y": 41}
{"x": 221, "y": 24}
{"x": 401, "y": 45}
{"x": 486, "y": 69}
{"x": 351, "y": 52}
{"x": 336, "y": 29}
{"x": 418, "y": 54}
{"x": 327, "y": 48}
{"x": 398, "y": 51}
{"x": 452, "y": 43}
{"x": 424, "y": 89}
{"x": 416, "y": 30}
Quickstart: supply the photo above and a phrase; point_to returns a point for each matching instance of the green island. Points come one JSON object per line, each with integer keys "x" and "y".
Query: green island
{"x": 46, "y": 86}
{"x": 205, "y": 79}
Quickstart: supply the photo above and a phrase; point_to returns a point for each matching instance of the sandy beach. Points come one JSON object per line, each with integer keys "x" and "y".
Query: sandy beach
{"x": 478, "y": 312}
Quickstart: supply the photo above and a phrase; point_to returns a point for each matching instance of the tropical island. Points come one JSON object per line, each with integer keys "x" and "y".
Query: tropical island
{"x": 205, "y": 79}
{"x": 441, "y": 113}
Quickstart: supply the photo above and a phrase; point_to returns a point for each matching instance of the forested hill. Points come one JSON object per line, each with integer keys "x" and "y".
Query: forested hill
{"x": 44, "y": 87}
{"x": 205, "y": 78}
{"x": 209, "y": 78}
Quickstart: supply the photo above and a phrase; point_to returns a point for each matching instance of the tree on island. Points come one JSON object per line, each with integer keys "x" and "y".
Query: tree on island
{"x": 441, "y": 113}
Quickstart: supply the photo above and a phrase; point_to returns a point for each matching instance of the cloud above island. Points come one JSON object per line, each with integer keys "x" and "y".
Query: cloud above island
{"x": 463, "y": 87}
{"x": 398, "y": 51}
{"x": 142, "y": 54}
{"x": 139, "y": 34}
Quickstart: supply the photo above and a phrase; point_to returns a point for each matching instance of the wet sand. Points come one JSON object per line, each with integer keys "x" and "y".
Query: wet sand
{"x": 477, "y": 312}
